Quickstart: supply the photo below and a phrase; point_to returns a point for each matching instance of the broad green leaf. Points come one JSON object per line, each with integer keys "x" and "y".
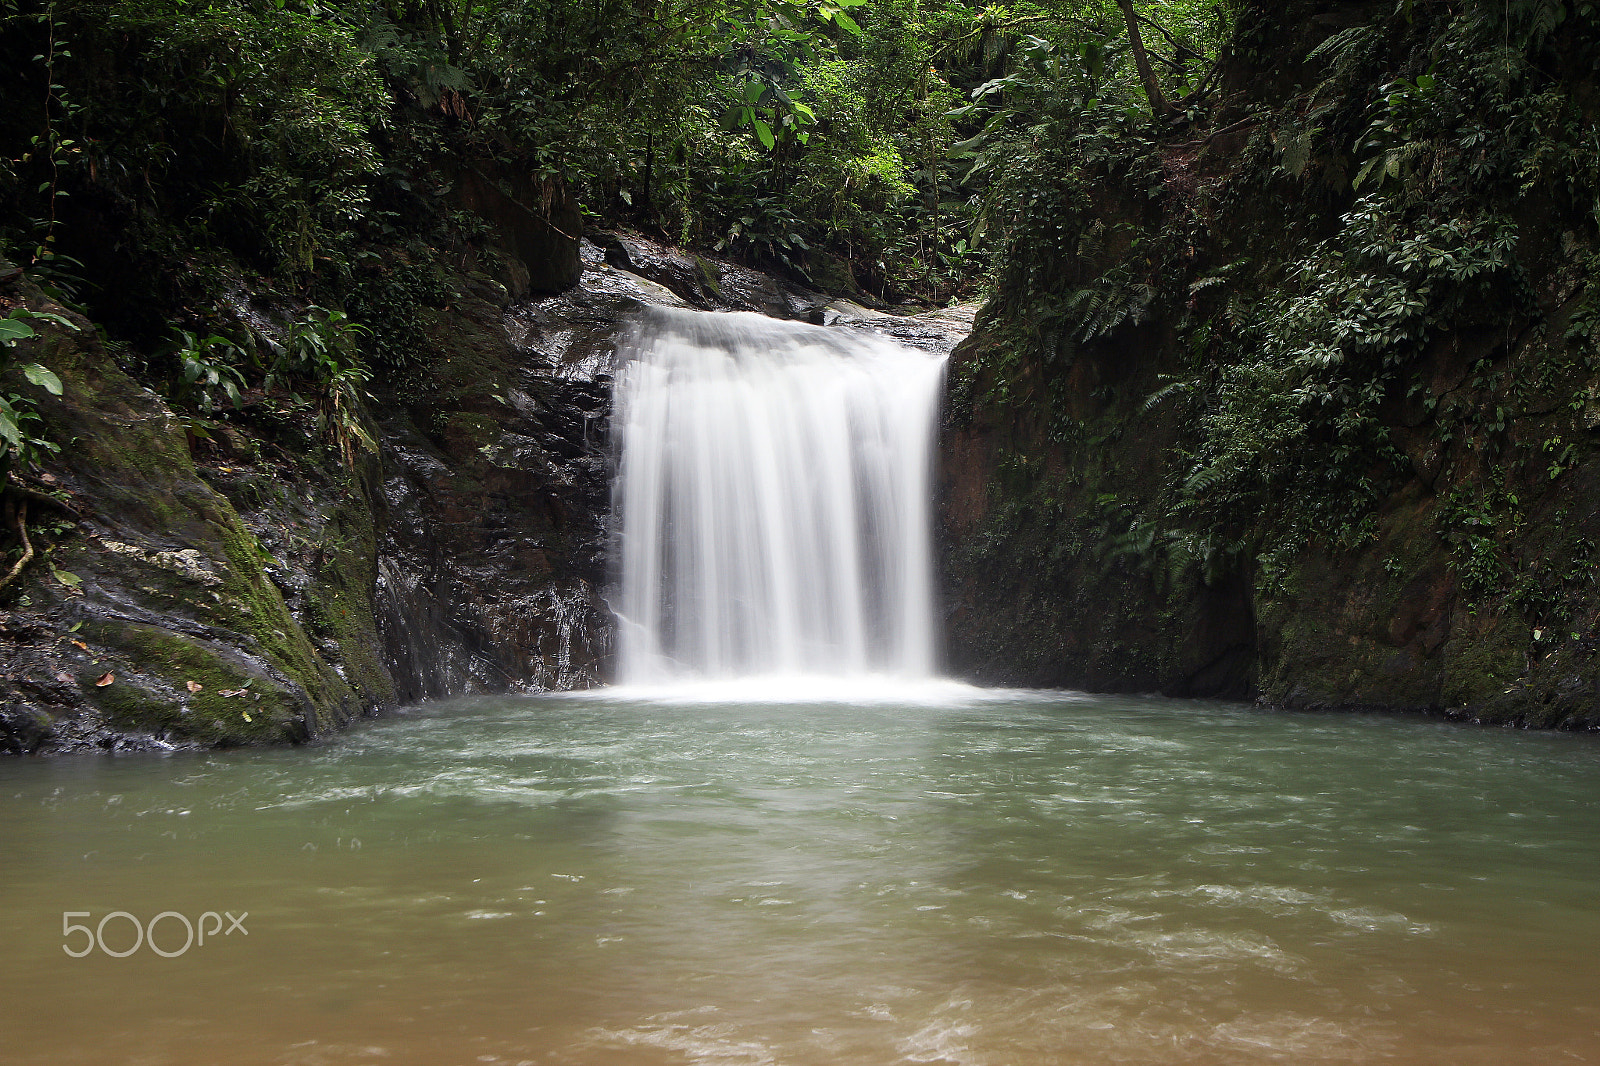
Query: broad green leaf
{"x": 12, "y": 330}
{"x": 965, "y": 148}
{"x": 51, "y": 316}
{"x": 764, "y": 131}
{"x": 753, "y": 91}
{"x": 43, "y": 378}
{"x": 848, "y": 23}
{"x": 8, "y": 428}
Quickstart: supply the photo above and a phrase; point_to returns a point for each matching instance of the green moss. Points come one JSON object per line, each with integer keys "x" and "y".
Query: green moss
{"x": 151, "y": 692}
{"x": 472, "y": 354}
{"x": 264, "y": 617}
{"x": 1484, "y": 661}
{"x": 711, "y": 276}
{"x": 128, "y": 706}
{"x": 341, "y": 606}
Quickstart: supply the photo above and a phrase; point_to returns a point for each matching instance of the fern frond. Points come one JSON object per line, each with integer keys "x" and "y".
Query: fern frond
{"x": 1340, "y": 44}
{"x": 1204, "y": 479}
{"x": 1166, "y": 392}
{"x": 1547, "y": 16}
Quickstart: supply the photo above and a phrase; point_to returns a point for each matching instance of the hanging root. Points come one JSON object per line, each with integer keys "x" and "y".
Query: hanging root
{"x": 20, "y": 521}
{"x": 21, "y": 488}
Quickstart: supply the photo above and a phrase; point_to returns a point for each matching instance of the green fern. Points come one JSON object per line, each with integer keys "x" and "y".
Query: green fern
{"x": 1341, "y": 45}
{"x": 1204, "y": 479}
{"x": 1171, "y": 390}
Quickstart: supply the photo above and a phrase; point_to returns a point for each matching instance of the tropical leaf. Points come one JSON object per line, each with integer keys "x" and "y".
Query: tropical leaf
{"x": 13, "y": 330}
{"x": 42, "y": 378}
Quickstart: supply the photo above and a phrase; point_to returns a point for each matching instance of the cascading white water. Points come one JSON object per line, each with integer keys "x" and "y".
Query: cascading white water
{"x": 773, "y": 500}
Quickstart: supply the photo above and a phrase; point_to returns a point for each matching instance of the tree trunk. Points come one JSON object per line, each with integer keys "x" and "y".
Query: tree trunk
{"x": 1159, "y": 105}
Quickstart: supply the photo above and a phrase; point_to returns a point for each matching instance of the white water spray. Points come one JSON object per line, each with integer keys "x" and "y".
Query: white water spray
{"x": 773, "y": 499}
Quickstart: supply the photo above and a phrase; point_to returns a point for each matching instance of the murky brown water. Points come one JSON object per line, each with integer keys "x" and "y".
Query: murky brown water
{"x": 994, "y": 879}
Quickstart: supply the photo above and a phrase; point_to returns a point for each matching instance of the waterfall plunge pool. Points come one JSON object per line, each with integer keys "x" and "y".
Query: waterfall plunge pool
{"x": 995, "y": 878}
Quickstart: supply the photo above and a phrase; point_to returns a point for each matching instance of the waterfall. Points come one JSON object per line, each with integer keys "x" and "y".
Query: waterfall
{"x": 773, "y": 500}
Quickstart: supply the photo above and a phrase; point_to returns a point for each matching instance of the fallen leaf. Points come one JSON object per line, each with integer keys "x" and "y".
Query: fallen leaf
{"x": 80, "y": 644}
{"x": 63, "y": 677}
{"x": 194, "y": 686}
{"x": 230, "y": 692}
{"x": 247, "y": 716}
{"x": 106, "y": 679}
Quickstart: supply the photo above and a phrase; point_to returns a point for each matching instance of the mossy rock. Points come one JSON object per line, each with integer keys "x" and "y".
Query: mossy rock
{"x": 235, "y": 702}
{"x": 173, "y": 583}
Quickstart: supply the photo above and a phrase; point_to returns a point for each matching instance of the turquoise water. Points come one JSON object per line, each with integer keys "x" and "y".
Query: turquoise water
{"x": 977, "y": 878}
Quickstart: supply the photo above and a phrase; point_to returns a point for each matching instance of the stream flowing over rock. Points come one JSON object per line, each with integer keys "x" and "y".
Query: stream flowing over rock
{"x": 227, "y": 590}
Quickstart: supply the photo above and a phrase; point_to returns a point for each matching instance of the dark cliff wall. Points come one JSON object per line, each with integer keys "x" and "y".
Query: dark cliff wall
{"x": 1300, "y": 402}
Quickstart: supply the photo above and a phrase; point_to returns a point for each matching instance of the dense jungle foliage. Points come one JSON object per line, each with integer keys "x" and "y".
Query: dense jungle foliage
{"x": 284, "y": 135}
{"x": 1358, "y": 292}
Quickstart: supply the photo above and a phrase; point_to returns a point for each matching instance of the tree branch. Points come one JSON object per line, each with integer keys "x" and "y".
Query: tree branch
{"x": 20, "y": 519}
{"x": 1201, "y": 90}
{"x": 16, "y": 485}
{"x": 1177, "y": 45}
{"x": 1172, "y": 64}
{"x": 1159, "y": 104}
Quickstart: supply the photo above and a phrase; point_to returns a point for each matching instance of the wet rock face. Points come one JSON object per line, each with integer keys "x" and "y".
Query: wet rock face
{"x": 940, "y": 330}
{"x": 494, "y": 552}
